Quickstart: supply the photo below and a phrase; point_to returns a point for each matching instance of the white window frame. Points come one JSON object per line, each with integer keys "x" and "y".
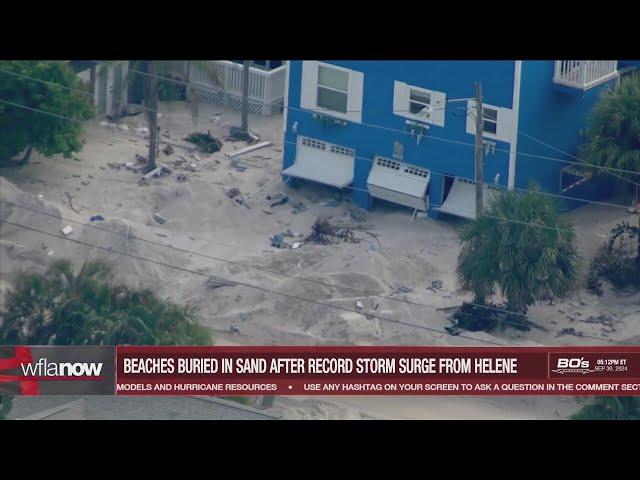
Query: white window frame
{"x": 326, "y": 87}
{"x": 402, "y": 104}
{"x": 310, "y": 85}
{"x": 504, "y": 122}
{"x": 489, "y": 120}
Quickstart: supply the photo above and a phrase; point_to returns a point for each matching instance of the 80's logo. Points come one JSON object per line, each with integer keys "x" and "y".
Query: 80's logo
{"x": 572, "y": 365}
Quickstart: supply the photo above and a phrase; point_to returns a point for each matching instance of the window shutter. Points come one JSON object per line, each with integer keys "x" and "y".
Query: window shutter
{"x": 354, "y": 101}
{"x": 505, "y": 124}
{"x": 309, "y": 88}
{"x": 400, "y": 98}
{"x": 471, "y": 117}
{"x": 438, "y": 103}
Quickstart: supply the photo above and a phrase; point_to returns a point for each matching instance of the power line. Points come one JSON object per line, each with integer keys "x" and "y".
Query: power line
{"x": 253, "y": 267}
{"x": 581, "y": 163}
{"x": 40, "y": 111}
{"x": 256, "y": 287}
{"x": 404, "y": 132}
{"x": 595, "y": 202}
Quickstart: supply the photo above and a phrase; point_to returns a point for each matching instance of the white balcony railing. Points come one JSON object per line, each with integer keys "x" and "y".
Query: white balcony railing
{"x": 266, "y": 87}
{"x": 584, "y": 74}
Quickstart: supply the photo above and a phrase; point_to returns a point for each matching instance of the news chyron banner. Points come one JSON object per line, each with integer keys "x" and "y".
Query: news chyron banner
{"x": 309, "y": 371}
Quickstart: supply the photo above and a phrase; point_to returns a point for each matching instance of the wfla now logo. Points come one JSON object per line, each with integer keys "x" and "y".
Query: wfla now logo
{"x": 43, "y": 369}
{"x": 572, "y": 365}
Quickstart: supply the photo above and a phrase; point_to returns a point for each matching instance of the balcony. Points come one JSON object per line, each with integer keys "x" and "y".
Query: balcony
{"x": 584, "y": 74}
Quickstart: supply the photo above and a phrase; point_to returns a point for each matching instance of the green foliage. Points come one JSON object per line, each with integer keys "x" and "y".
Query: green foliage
{"x": 5, "y": 406}
{"x": 610, "y": 408}
{"x": 617, "y": 259}
{"x": 87, "y": 308}
{"x": 21, "y": 128}
{"x": 522, "y": 247}
{"x": 613, "y": 131}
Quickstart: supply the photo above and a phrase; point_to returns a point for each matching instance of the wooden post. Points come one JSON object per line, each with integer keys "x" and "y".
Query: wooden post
{"x": 479, "y": 151}
{"x": 245, "y": 96}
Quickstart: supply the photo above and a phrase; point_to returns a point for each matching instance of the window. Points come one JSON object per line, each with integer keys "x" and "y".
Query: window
{"x": 498, "y": 122}
{"x": 333, "y": 89}
{"x": 490, "y": 117}
{"x": 419, "y": 104}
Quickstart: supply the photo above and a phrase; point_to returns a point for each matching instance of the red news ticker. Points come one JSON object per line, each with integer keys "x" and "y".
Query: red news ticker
{"x": 293, "y": 370}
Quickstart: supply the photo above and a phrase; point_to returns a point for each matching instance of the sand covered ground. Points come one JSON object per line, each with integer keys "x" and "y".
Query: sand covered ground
{"x": 208, "y": 233}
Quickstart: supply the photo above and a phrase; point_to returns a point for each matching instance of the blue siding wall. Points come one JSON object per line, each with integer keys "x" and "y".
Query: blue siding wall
{"x": 455, "y": 78}
{"x": 556, "y": 116}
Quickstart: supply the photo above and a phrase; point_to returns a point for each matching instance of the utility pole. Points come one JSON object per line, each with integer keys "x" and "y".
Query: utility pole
{"x": 245, "y": 96}
{"x": 479, "y": 151}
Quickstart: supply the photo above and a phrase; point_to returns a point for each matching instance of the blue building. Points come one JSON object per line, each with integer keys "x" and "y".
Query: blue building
{"x": 404, "y": 131}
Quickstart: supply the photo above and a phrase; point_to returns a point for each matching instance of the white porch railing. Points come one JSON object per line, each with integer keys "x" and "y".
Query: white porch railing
{"x": 266, "y": 87}
{"x": 584, "y": 74}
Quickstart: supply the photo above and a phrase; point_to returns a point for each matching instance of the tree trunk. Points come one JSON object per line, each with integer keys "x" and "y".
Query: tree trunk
{"x": 245, "y": 96}
{"x": 26, "y": 157}
{"x": 151, "y": 104}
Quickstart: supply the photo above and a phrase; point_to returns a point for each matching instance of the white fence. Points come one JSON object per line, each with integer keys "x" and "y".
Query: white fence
{"x": 266, "y": 87}
{"x": 584, "y": 74}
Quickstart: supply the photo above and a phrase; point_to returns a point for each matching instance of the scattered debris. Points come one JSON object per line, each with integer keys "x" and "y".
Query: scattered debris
{"x": 159, "y": 218}
{"x": 97, "y": 218}
{"x": 296, "y": 245}
{"x": 357, "y": 214}
{"x": 205, "y": 142}
{"x": 453, "y": 330}
{"x": 153, "y": 173}
{"x": 359, "y": 305}
{"x": 67, "y": 230}
{"x": 298, "y": 208}
{"x": 333, "y": 203}
{"x": 402, "y": 290}
{"x": 238, "y": 166}
{"x": 167, "y": 150}
{"x": 323, "y": 232}
{"x": 233, "y": 192}
{"x": 234, "y": 328}
{"x": 237, "y": 134}
{"x": 166, "y": 170}
{"x": 250, "y": 148}
{"x": 214, "y": 282}
{"x": 181, "y": 178}
{"x": 569, "y": 331}
{"x": 436, "y": 284}
{"x": 279, "y": 202}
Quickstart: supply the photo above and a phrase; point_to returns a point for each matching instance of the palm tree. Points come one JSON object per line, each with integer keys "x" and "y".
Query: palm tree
{"x": 613, "y": 130}
{"x": 87, "y": 308}
{"x": 152, "y": 73}
{"x": 522, "y": 247}
{"x": 613, "y": 135}
{"x": 610, "y": 408}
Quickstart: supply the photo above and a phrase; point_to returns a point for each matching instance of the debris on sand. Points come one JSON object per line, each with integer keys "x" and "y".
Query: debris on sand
{"x": 233, "y": 192}
{"x": 402, "y": 289}
{"x": 280, "y": 201}
{"x": 607, "y": 322}
{"x": 205, "y": 142}
{"x": 250, "y": 148}
{"x": 298, "y": 208}
{"x": 357, "y": 214}
{"x": 97, "y": 218}
{"x": 569, "y": 331}
{"x": 214, "y": 282}
{"x": 237, "y": 134}
{"x": 67, "y": 230}
{"x": 167, "y": 150}
{"x": 159, "y": 218}
{"x": 324, "y": 232}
